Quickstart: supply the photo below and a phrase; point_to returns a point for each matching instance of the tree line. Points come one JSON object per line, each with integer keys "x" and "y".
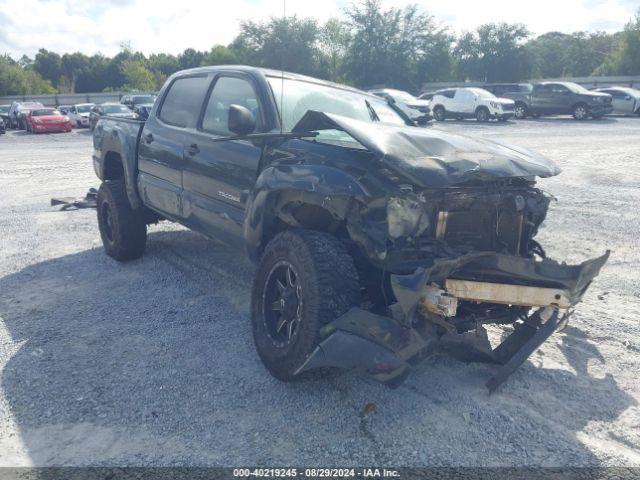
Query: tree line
{"x": 370, "y": 46}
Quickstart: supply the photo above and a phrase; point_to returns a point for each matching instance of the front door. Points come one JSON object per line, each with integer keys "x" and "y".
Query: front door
{"x": 219, "y": 173}
{"x": 161, "y": 147}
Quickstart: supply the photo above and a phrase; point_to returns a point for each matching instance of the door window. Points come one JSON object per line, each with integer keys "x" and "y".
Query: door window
{"x": 229, "y": 91}
{"x": 182, "y": 102}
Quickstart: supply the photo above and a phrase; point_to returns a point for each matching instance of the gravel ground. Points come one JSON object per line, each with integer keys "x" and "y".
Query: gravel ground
{"x": 152, "y": 362}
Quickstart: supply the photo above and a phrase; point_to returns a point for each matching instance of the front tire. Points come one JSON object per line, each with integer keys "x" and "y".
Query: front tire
{"x": 520, "y": 111}
{"x": 482, "y": 114}
{"x": 123, "y": 230}
{"x": 439, "y": 114}
{"x": 580, "y": 112}
{"x": 305, "y": 280}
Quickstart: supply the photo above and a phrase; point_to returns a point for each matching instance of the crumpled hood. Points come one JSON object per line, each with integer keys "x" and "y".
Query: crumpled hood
{"x": 433, "y": 158}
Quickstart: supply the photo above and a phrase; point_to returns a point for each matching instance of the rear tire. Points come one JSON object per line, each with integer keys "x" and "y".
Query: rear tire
{"x": 123, "y": 230}
{"x": 305, "y": 280}
{"x": 439, "y": 114}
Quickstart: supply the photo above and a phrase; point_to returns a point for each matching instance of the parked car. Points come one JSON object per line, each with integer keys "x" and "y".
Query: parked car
{"x": 4, "y": 113}
{"x": 470, "y": 103}
{"x": 625, "y": 100}
{"x": 111, "y": 109}
{"x": 79, "y": 114}
{"x": 560, "y": 98}
{"x": 416, "y": 109}
{"x": 131, "y": 100}
{"x": 18, "y": 112}
{"x": 376, "y": 242}
{"x": 3, "y": 129}
{"x": 143, "y": 110}
{"x": 45, "y": 120}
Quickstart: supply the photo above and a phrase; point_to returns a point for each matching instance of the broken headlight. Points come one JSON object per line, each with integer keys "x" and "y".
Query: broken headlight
{"x": 406, "y": 218}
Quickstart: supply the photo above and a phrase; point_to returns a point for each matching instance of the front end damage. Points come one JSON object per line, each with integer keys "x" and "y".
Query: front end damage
{"x": 451, "y": 252}
{"x": 432, "y": 316}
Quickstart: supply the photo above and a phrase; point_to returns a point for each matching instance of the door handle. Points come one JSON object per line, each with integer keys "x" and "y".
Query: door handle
{"x": 193, "y": 149}
{"x": 148, "y": 138}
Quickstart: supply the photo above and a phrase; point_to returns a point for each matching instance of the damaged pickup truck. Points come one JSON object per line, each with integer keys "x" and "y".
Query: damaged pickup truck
{"x": 377, "y": 243}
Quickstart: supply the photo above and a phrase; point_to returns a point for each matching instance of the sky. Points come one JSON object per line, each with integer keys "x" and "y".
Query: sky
{"x": 170, "y": 26}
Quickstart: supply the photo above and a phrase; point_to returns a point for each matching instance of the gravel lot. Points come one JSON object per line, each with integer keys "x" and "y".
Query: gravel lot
{"x": 152, "y": 362}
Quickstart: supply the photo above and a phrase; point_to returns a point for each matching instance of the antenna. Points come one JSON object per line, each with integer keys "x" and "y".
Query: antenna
{"x": 284, "y": 18}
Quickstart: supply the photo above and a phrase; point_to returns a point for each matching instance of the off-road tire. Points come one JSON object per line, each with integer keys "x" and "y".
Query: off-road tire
{"x": 580, "y": 111}
{"x": 123, "y": 230}
{"x": 329, "y": 287}
{"x": 482, "y": 114}
{"x": 439, "y": 113}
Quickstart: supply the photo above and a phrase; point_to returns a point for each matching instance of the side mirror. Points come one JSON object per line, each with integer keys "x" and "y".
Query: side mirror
{"x": 241, "y": 120}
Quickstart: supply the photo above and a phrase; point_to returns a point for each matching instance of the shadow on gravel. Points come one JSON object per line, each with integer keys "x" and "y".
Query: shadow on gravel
{"x": 152, "y": 363}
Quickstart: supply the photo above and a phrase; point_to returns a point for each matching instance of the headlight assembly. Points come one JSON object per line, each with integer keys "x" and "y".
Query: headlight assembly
{"x": 406, "y": 218}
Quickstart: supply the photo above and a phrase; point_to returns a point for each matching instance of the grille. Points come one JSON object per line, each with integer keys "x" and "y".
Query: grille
{"x": 483, "y": 230}
{"x": 508, "y": 108}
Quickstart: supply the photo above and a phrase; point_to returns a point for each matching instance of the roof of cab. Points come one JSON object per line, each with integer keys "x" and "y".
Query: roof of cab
{"x": 268, "y": 72}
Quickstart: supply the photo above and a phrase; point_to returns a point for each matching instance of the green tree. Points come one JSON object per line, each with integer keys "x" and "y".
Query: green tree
{"x": 556, "y": 55}
{"x": 137, "y": 76}
{"x": 220, "y": 55}
{"x": 394, "y": 47}
{"x": 625, "y": 59}
{"x": 334, "y": 39}
{"x": 494, "y": 52}
{"x": 290, "y": 43}
{"x": 18, "y": 80}
{"x": 190, "y": 58}
{"x": 48, "y": 65}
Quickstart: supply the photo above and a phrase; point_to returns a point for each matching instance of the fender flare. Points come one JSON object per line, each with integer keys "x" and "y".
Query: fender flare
{"x": 114, "y": 142}
{"x": 327, "y": 187}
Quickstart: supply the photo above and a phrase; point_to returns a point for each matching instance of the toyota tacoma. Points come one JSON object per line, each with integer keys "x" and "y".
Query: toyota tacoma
{"x": 377, "y": 243}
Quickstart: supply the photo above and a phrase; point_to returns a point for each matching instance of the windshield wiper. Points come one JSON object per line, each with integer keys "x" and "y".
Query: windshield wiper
{"x": 372, "y": 112}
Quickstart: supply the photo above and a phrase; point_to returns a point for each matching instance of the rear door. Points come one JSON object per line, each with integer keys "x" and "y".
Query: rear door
{"x": 622, "y": 102}
{"x": 161, "y": 147}
{"x": 542, "y": 98}
{"x": 219, "y": 173}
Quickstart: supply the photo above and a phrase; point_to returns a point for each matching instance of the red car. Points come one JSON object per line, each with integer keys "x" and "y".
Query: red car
{"x": 47, "y": 120}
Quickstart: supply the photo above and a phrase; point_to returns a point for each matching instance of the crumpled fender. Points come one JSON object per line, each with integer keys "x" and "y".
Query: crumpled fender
{"x": 326, "y": 186}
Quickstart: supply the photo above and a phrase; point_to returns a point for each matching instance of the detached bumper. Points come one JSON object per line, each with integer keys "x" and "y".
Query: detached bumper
{"x": 384, "y": 348}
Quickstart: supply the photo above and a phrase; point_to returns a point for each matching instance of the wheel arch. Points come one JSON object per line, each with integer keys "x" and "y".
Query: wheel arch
{"x": 310, "y": 197}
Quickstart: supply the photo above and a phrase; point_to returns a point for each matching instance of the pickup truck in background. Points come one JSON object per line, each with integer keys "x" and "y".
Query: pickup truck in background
{"x": 377, "y": 243}
{"x": 557, "y": 98}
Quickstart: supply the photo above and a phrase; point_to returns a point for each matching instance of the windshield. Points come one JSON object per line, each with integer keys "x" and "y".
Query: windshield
{"x": 574, "y": 87}
{"x": 84, "y": 108}
{"x": 482, "y": 93}
{"x": 143, "y": 99}
{"x": 45, "y": 111}
{"x": 115, "y": 109}
{"x": 4, "y": 108}
{"x": 300, "y": 97}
